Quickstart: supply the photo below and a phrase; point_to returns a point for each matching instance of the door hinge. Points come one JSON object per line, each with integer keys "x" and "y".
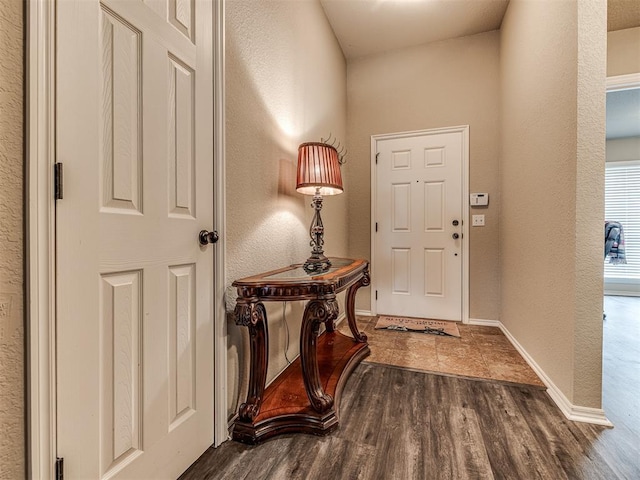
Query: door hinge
{"x": 59, "y": 468}
{"x": 377, "y": 157}
{"x": 376, "y": 226}
{"x": 376, "y": 294}
{"x": 58, "y": 181}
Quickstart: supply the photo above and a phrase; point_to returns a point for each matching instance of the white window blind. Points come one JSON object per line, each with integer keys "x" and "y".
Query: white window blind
{"x": 622, "y": 204}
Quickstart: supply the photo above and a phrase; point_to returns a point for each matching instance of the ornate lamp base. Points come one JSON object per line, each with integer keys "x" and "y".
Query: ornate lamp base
{"x": 317, "y": 264}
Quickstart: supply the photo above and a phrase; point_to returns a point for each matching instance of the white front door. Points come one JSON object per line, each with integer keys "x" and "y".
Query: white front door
{"x": 418, "y": 254}
{"x": 134, "y": 115}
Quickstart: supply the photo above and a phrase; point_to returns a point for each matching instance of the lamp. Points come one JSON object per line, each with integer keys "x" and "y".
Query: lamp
{"x": 318, "y": 175}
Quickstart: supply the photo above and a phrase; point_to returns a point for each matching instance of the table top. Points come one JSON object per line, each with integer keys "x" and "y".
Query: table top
{"x": 279, "y": 283}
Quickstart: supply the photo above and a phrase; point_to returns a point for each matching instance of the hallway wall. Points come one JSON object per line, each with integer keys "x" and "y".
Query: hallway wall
{"x": 12, "y": 399}
{"x": 285, "y": 85}
{"x": 553, "y": 61}
{"x": 623, "y": 52}
{"x": 441, "y": 84}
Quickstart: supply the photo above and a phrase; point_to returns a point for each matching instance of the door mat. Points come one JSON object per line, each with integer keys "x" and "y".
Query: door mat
{"x": 422, "y": 325}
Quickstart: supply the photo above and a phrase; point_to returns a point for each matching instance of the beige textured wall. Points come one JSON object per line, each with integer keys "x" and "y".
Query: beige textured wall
{"x": 623, "y": 52}
{"x": 552, "y": 76}
{"x": 12, "y": 457}
{"x": 590, "y": 163}
{"x": 285, "y": 84}
{"x": 454, "y": 82}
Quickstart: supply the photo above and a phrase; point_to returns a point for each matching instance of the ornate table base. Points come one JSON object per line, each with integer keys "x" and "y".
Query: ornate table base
{"x": 306, "y": 396}
{"x": 285, "y": 407}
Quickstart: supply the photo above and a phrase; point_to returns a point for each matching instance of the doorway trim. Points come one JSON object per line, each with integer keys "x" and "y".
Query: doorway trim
{"x": 623, "y": 82}
{"x": 40, "y": 358}
{"x": 464, "y": 130}
{"x": 618, "y": 83}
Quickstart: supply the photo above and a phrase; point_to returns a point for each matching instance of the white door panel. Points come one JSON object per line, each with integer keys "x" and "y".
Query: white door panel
{"x": 419, "y": 194}
{"x": 134, "y": 309}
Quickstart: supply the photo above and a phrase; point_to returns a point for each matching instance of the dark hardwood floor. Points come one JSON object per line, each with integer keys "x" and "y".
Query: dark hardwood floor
{"x": 400, "y": 424}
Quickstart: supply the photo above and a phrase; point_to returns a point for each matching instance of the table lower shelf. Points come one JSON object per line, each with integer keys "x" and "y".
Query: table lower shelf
{"x": 286, "y": 407}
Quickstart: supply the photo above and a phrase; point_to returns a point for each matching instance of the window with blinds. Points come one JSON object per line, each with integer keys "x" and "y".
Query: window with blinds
{"x": 622, "y": 204}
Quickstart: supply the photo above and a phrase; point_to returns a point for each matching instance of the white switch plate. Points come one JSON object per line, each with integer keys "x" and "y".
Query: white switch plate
{"x": 477, "y": 220}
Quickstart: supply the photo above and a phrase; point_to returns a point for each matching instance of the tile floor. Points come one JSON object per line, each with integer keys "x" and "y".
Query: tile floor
{"x": 480, "y": 352}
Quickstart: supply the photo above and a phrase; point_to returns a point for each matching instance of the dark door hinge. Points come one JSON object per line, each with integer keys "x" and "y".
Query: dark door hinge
{"x": 58, "y": 181}
{"x": 376, "y": 226}
{"x": 376, "y": 294}
{"x": 377, "y": 157}
{"x": 59, "y": 468}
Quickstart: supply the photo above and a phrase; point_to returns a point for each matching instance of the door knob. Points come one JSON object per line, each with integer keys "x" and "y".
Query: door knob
{"x": 455, "y": 236}
{"x": 455, "y": 223}
{"x": 205, "y": 237}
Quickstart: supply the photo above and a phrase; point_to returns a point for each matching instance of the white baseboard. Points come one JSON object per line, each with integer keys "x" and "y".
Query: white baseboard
{"x": 484, "y": 323}
{"x": 575, "y": 413}
{"x": 365, "y": 313}
{"x": 341, "y": 317}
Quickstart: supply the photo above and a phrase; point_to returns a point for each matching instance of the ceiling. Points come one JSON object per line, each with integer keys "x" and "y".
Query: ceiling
{"x": 623, "y": 107}
{"x": 623, "y": 14}
{"x": 367, "y": 27}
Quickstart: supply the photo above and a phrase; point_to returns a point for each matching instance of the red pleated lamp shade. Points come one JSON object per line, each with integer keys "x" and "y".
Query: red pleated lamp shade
{"x": 318, "y": 167}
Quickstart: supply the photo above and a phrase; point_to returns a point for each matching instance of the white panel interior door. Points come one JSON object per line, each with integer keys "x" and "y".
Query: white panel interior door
{"x": 134, "y": 301}
{"x": 419, "y": 190}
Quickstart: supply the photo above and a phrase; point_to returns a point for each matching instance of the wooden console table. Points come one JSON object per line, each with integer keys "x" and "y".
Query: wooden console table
{"x": 306, "y": 396}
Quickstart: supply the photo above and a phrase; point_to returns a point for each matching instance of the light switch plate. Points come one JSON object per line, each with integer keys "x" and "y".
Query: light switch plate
{"x": 477, "y": 220}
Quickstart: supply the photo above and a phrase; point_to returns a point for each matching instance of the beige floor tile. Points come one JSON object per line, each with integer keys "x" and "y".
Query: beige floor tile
{"x": 417, "y": 360}
{"x": 479, "y": 329}
{"x": 480, "y": 352}
{"x": 419, "y": 343}
{"x": 514, "y": 373}
{"x": 386, "y": 356}
{"x": 503, "y": 356}
{"x": 465, "y": 366}
{"x": 490, "y": 340}
{"x": 454, "y": 346}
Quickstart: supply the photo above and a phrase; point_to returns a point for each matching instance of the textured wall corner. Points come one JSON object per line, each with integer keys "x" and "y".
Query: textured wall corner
{"x": 12, "y": 455}
{"x": 441, "y": 84}
{"x": 590, "y": 165}
{"x": 538, "y": 180}
{"x": 552, "y": 177}
{"x": 623, "y": 52}
{"x": 285, "y": 84}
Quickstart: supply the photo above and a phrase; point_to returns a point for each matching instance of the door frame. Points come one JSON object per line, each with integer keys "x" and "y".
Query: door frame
{"x": 464, "y": 130}
{"x": 40, "y": 283}
{"x": 617, "y": 83}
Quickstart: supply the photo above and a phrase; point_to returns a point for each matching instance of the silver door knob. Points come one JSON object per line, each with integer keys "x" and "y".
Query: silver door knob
{"x": 205, "y": 237}
{"x": 455, "y": 236}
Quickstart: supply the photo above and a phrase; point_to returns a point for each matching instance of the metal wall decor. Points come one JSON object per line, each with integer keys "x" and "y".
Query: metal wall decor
{"x": 341, "y": 149}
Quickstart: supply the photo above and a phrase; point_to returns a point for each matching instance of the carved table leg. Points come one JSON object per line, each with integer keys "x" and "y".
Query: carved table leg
{"x": 252, "y": 314}
{"x": 350, "y": 306}
{"x": 316, "y": 312}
